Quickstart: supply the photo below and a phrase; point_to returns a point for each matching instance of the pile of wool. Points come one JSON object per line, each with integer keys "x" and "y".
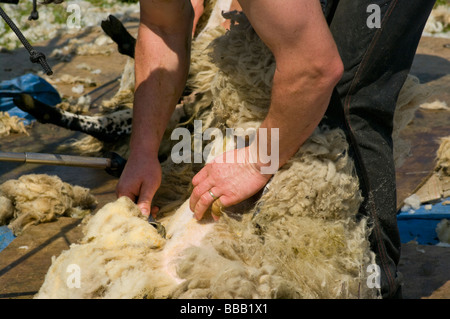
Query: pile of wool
{"x": 300, "y": 240}
{"x": 11, "y": 124}
{"x": 80, "y": 47}
{"x": 40, "y": 198}
{"x": 70, "y": 79}
{"x": 435, "y": 105}
{"x": 442, "y": 169}
{"x": 443, "y": 231}
{"x": 443, "y": 156}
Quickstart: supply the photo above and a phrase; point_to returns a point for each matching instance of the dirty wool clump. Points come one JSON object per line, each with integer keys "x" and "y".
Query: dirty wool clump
{"x": 300, "y": 240}
{"x": 11, "y": 124}
{"x": 40, "y": 198}
{"x": 443, "y": 156}
{"x": 442, "y": 169}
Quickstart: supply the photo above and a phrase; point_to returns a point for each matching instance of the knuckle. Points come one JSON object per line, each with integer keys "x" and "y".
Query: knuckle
{"x": 196, "y": 192}
{"x": 205, "y": 199}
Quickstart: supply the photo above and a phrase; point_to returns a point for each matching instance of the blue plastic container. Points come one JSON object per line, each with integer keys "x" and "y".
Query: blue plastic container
{"x": 420, "y": 225}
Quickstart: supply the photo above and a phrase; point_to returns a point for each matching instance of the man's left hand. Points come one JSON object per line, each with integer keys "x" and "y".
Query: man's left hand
{"x": 230, "y": 181}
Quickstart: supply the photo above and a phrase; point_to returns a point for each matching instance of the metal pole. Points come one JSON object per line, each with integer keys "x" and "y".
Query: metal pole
{"x": 56, "y": 159}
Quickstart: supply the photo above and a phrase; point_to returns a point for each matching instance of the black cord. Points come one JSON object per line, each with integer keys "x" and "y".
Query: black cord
{"x": 35, "y": 56}
{"x": 34, "y": 14}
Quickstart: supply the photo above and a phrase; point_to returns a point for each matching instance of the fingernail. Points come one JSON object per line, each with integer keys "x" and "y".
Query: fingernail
{"x": 144, "y": 211}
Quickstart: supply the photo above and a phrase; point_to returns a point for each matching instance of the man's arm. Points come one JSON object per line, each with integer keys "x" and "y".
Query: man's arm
{"x": 308, "y": 67}
{"x": 161, "y": 68}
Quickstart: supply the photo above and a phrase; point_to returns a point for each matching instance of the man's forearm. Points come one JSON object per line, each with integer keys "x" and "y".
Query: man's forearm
{"x": 297, "y": 106}
{"x": 308, "y": 66}
{"x": 161, "y": 68}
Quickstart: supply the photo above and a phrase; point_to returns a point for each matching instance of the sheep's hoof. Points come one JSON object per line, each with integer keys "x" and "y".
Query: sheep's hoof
{"x": 115, "y": 29}
{"x": 42, "y": 112}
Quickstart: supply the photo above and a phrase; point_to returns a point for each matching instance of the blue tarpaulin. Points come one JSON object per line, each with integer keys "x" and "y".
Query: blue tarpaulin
{"x": 420, "y": 225}
{"x": 30, "y": 84}
{"x": 6, "y": 237}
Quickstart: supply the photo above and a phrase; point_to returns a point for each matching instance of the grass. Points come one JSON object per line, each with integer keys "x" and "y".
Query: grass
{"x": 441, "y": 2}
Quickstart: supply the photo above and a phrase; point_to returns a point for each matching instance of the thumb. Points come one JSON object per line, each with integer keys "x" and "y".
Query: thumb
{"x": 145, "y": 200}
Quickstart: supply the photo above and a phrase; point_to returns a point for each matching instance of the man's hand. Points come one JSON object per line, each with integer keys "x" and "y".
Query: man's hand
{"x": 308, "y": 66}
{"x": 231, "y": 182}
{"x": 161, "y": 67}
{"x": 140, "y": 180}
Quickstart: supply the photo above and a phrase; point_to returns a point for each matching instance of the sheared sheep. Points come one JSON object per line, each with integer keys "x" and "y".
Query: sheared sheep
{"x": 300, "y": 240}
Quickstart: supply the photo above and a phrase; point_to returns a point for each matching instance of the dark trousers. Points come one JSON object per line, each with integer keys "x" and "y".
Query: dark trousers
{"x": 376, "y": 62}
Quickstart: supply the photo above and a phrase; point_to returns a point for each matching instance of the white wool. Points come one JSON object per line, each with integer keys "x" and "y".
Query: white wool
{"x": 121, "y": 256}
{"x": 78, "y": 89}
{"x": 215, "y": 19}
{"x": 6, "y": 210}
{"x": 438, "y": 21}
{"x": 443, "y": 157}
{"x": 412, "y": 202}
{"x": 436, "y": 105}
{"x": 75, "y": 105}
{"x": 39, "y": 198}
{"x": 11, "y": 124}
{"x": 84, "y": 66}
{"x": 443, "y": 231}
{"x": 301, "y": 240}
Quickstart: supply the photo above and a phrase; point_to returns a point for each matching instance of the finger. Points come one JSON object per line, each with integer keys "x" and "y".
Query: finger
{"x": 145, "y": 200}
{"x": 227, "y": 201}
{"x": 144, "y": 206}
{"x": 202, "y": 205}
{"x": 216, "y": 209}
{"x": 154, "y": 211}
{"x": 200, "y": 176}
{"x": 198, "y": 191}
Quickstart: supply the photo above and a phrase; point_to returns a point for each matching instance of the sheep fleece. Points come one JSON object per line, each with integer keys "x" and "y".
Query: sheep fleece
{"x": 300, "y": 240}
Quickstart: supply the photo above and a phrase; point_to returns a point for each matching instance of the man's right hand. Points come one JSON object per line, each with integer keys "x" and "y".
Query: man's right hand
{"x": 161, "y": 68}
{"x": 140, "y": 180}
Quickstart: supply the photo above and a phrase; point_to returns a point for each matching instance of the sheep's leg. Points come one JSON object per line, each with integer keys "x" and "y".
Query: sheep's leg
{"x": 106, "y": 128}
{"x": 116, "y": 30}
{"x": 183, "y": 231}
